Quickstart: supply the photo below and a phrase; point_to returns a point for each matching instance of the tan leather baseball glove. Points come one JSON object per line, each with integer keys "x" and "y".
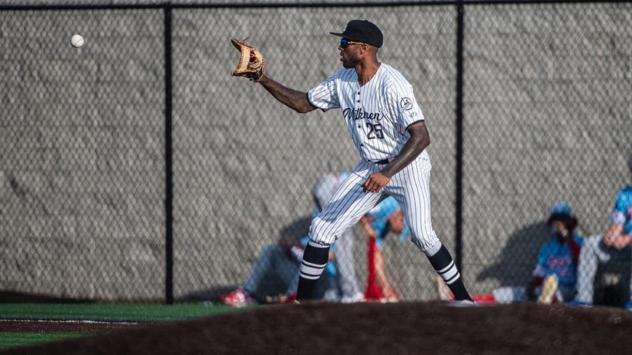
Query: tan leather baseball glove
{"x": 250, "y": 60}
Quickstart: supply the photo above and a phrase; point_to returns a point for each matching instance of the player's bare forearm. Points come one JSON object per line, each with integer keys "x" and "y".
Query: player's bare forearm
{"x": 366, "y": 226}
{"x": 294, "y": 99}
{"x": 380, "y": 270}
{"x": 418, "y": 141}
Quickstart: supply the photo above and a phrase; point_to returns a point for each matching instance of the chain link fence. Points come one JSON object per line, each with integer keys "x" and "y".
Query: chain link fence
{"x": 85, "y": 159}
{"x": 82, "y": 154}
{"x": 547, "y": 118}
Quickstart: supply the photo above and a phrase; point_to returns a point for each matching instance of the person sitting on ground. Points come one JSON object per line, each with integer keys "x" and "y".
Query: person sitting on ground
{"x": 555, "y": 275}
{"x": 281, "y": 262}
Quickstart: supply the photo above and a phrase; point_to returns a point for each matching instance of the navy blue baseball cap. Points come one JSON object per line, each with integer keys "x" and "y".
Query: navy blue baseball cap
{"x": 561, "y": 208}
{"x": 362, "y": 31}
{"x": 561, "y": 211}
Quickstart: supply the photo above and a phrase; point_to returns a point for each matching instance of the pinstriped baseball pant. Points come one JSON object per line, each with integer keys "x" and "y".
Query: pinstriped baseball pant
{"x": 410, "y": 187}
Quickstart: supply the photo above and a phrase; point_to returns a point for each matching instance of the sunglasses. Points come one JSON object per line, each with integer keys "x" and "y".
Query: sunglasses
{"x": 344, "y": 43}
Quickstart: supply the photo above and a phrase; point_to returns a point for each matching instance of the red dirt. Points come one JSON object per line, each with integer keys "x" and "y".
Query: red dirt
{"x": 366, "y": 329}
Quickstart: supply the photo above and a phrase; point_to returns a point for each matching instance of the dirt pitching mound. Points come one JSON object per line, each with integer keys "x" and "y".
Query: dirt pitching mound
{"x": 33, "y": 325}
{"x": 364, "y": 329}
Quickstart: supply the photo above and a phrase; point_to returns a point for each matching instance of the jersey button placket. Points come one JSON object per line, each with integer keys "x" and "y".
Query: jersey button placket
{"x": 358, "y": 101}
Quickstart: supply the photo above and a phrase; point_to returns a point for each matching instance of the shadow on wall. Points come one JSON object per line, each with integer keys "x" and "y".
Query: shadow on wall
{"x": 289, "y": 234}
{"x": 519, "y": 256}
{"x": 296, "y": 230}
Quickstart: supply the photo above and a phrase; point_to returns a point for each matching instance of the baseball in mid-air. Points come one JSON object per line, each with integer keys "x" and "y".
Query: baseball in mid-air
{"x": 77, "y": 41}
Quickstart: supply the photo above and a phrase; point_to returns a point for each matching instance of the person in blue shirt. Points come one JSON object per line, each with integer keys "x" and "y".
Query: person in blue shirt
{"x": 555, "y": 275}
{"x": 613, "y": 248}
{"x": 619, "y": 234}
{"x": 385, "y": 217}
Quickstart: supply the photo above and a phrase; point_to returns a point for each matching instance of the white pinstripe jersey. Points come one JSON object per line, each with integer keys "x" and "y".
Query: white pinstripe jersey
{"x": 377, "y": 113}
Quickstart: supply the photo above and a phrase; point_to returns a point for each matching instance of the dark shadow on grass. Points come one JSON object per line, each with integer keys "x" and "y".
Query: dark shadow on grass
{"x": 22, "y": 297}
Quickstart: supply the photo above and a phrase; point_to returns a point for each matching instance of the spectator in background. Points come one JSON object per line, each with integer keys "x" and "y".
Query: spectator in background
{"x": 281, "y": 260}
{"x": 555, "y": 275}
{"x": 612, "y": 251}
{"x": 386, "y": 217}
{"x": 277, "y": 262}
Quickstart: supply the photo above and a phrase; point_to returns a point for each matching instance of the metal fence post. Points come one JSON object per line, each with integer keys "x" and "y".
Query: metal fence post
{"x": 168, "y": 158}
{"x": 460, "y": 12}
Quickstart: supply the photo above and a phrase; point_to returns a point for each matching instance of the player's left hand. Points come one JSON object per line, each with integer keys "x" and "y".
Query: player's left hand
{"x": 375, "y": 182}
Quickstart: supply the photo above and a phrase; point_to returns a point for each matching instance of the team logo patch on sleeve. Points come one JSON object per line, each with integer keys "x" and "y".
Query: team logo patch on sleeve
{"x": 406, "y": 103}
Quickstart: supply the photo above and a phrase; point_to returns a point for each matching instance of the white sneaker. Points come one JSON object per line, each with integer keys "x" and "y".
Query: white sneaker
{"x": 330, "y": 296}
{"x": 462, "y": 303}
{"x": 549, "y": 289}
{"x": 358, "y": 297}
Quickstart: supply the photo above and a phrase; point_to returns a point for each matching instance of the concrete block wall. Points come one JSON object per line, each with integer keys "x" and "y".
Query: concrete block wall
{"x": 82, "y": 166}
{"x": 547, "y": 118}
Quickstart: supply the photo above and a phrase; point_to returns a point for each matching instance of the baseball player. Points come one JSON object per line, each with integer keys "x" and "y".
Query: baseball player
{"x": 389, "y": 132}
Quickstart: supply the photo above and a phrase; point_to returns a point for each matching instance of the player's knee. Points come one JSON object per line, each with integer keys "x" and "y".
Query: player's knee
{"x": 428, "y": 243}
{"x": 318, "y": 234}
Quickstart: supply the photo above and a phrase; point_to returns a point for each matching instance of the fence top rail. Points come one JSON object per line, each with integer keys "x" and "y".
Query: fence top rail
{"x": 168, "y": 5}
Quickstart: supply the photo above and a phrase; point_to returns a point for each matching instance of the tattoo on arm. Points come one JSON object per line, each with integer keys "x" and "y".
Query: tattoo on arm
{"x": 294, "y": 99}
{"x": 418, "y": 141}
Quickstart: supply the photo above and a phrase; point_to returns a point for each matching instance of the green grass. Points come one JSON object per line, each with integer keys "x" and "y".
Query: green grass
{"x": 110, "y": 312}
{"x": 95, "y": 312}
{"x": 13, "y": 340}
